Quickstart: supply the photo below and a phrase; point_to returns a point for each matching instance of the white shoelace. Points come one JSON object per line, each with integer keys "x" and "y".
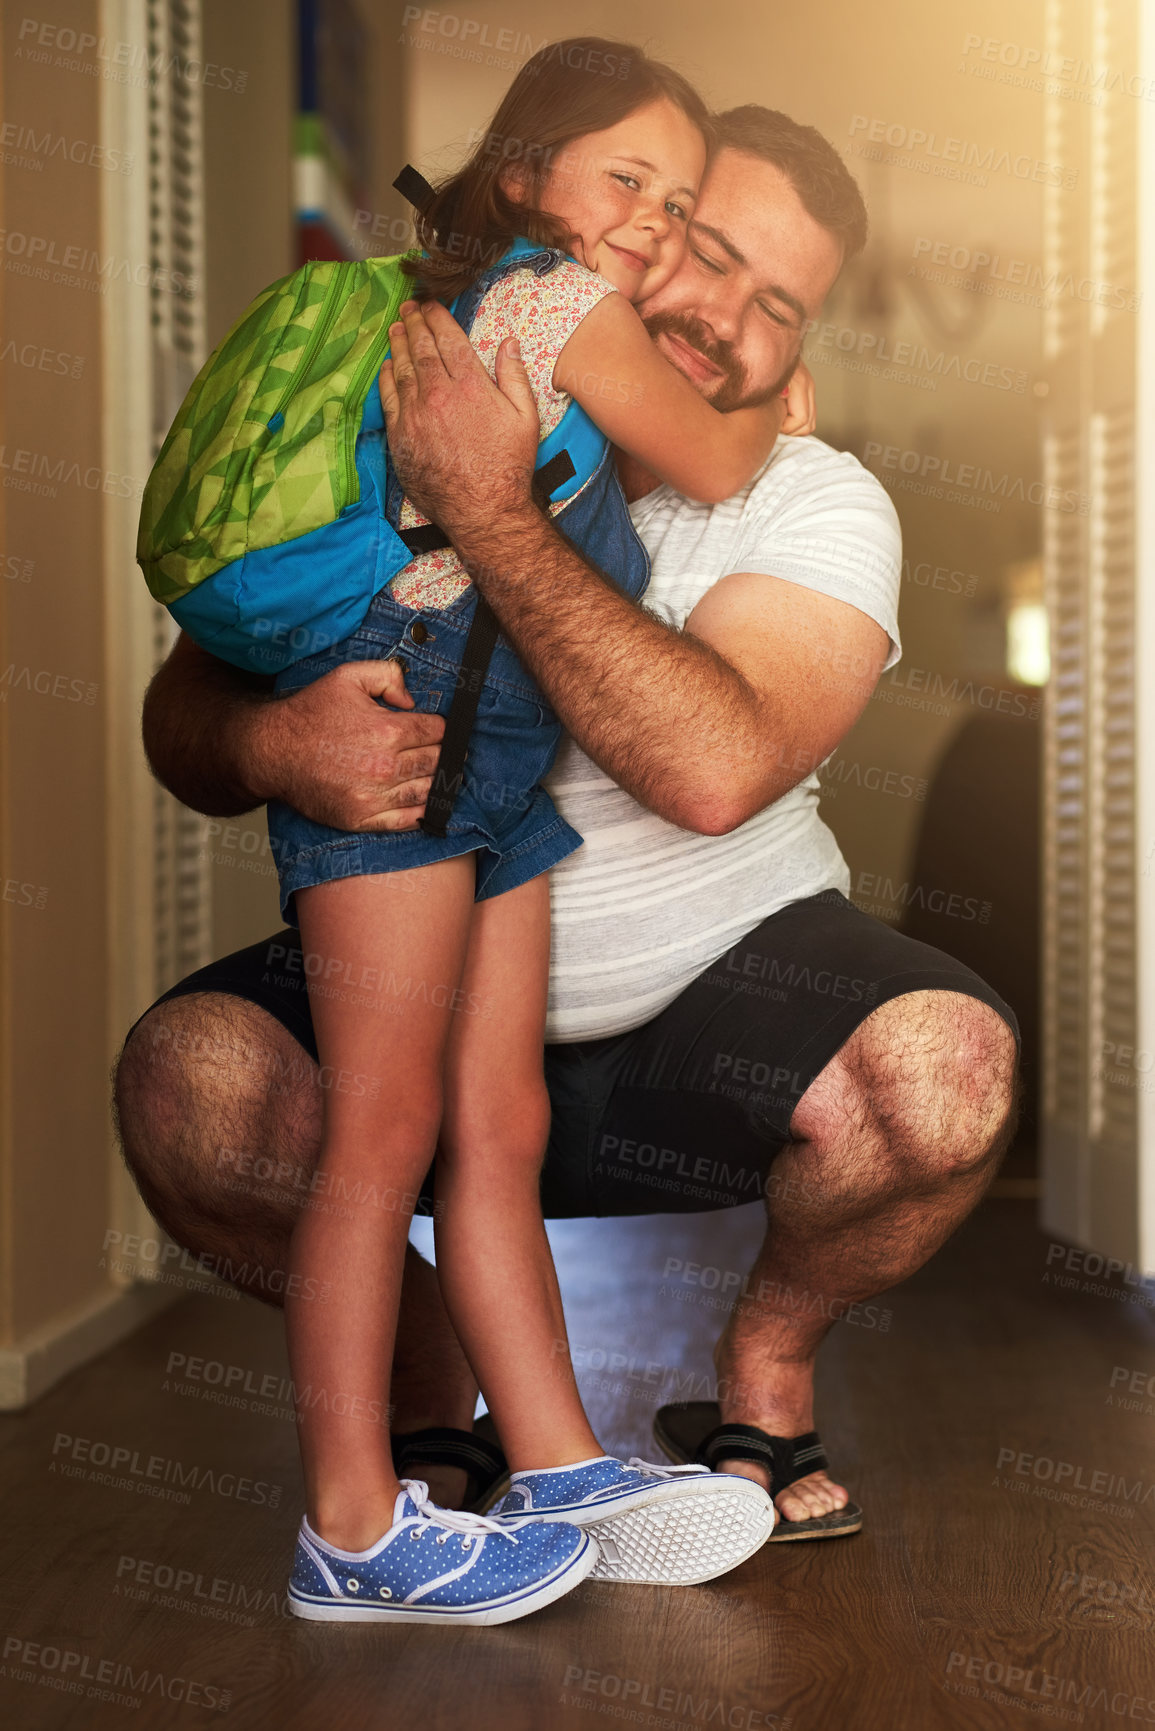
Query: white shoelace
{"x": 455, "y": 1520}
{"x": 664, "y": 1472}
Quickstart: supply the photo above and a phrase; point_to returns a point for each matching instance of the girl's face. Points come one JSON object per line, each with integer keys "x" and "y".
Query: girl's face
{"x": 627, "y": 195}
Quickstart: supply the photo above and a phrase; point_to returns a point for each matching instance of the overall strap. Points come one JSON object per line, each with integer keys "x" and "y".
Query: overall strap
{"x": 483, "y": 634}
{"x": 450, "y": 771}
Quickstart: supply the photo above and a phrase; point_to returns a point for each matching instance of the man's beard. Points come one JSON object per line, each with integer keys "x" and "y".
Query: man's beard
{"x": 734, "y": 391}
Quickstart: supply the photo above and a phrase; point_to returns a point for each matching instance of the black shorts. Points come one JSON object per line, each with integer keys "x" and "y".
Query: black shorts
{"x": 687, "y": 1112}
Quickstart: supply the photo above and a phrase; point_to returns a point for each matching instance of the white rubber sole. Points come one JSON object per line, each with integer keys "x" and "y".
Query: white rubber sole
{"x": 536, "y": 1598}
{"x": 686, "y": 1535}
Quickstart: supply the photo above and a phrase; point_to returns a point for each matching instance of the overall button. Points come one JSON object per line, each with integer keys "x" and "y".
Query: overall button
{"x": 418, "y": 631}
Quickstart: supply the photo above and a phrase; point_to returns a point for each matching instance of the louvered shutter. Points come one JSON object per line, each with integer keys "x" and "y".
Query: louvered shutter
{"x": 1097, "y": 1078}
{"x": 159, "y": 910}
{"x": 183, "y": 908}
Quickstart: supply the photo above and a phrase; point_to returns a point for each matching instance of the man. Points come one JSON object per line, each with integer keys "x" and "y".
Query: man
{"x": 714, "y": 996}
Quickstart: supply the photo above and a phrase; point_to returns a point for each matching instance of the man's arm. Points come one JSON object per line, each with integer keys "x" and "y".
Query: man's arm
{"x": 703, "y": 726}
{"x": 218, "y": 739}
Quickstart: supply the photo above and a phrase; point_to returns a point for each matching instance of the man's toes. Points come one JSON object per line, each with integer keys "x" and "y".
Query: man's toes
{"x": 805, "y": 1500}
{"x": 811, "y": 1497}
{"x": 793, "y": 1506}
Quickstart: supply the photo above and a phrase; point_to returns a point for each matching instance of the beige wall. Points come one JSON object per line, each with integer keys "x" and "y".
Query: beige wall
{"x": 248, "y": 169}
{"x": 56, "y": 960}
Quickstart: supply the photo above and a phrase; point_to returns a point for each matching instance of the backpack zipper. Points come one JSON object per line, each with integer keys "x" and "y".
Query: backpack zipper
{"x": 324, "y": 320}
{"x": 359, "y": 389}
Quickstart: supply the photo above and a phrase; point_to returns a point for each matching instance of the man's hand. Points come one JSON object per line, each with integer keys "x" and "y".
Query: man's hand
{"x": 464, "y": 448}
{"x": 221, "y": 743}
{"x": 336, "y": 756}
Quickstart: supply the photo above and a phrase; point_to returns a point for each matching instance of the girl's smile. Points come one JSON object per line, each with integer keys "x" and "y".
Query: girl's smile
{"x": 627, "y": 194}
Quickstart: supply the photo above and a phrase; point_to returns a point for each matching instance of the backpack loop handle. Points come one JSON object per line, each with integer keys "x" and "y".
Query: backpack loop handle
{"x": 414, "y": 189}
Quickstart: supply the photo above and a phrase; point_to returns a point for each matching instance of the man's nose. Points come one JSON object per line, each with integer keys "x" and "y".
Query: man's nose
{"x": 720, "y": 310}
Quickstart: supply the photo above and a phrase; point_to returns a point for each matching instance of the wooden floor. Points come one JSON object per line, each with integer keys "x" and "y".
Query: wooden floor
{"x": 972, "y": 1597}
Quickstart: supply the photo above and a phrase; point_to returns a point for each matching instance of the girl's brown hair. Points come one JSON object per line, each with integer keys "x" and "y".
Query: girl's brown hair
{"x": 584, "y": 84}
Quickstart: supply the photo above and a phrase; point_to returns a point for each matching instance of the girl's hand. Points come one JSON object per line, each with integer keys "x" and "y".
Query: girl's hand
{"x": 801, "y": 402}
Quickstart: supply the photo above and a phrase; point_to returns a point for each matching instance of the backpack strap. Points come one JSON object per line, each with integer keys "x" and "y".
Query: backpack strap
{"x": 414, "y": 188}
{"x": 552, "y": 475}
{"x": 428, "y": 538}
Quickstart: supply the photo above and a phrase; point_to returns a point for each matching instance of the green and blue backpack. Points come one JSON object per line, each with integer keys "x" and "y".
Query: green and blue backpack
{"x": 270, "y": 518}
{"x": 272, "y": 514}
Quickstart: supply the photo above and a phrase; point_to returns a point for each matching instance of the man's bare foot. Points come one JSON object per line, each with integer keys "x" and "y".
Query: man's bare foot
{"x": 805, "y": 1499}
{"x": 782, "y": 1404}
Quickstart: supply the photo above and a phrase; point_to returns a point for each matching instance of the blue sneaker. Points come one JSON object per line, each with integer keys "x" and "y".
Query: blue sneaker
{"x": 440, "y": 1566}
{"x": 670, "y": 1526}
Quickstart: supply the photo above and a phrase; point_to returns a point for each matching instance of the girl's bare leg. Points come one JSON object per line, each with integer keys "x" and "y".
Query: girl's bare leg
{"x": 493, "y": 1257}
{"x": 384, "y": 956}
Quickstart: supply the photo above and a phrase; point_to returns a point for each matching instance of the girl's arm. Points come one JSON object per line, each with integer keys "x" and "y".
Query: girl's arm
{"x": 646, "y": 407}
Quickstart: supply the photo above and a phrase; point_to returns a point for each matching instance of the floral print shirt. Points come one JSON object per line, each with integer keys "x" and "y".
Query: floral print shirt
{"x": 542, "y": 313}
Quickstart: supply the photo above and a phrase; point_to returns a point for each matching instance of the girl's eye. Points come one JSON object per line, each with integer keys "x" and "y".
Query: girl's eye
{"x": 677, "y": 210}
{"x": 630, "y": 180}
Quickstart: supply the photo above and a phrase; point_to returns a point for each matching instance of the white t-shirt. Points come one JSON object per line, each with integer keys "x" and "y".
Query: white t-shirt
{"x": 644, "y": 906}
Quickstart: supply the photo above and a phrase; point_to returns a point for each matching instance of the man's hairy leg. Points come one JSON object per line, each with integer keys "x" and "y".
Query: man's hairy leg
{"x": 219, "y": 1111}
{"x": 894, "y": 1144}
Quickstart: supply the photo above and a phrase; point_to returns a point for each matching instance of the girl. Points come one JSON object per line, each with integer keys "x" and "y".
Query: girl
{"x": 428, "y": 955}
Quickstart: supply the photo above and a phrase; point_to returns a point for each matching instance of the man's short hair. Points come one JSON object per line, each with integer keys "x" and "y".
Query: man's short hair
{"x": 811, "y": 164}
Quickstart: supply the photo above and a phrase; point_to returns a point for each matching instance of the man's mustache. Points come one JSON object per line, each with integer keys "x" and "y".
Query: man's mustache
{"x": 720, "y": 353}
{"x": 734, "y": 392}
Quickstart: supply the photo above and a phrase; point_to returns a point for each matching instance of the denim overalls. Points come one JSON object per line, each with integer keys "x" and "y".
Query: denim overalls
{"x": 501, "y": 810}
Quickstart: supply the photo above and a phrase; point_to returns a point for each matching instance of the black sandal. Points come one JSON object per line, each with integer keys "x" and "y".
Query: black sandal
{"x": 689, "y": 1431}
{"x": 440, "y": 1445}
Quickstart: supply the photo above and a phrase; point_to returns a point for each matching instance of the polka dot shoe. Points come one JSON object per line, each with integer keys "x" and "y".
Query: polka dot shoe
{"x": 670, "y": 1526}
{"x": 440, "y": 1566}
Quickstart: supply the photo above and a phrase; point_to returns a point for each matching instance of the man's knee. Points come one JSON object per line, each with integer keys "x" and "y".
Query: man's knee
{"x": 981, "y": 1085}
{"x": 933, "y": 1075}
{"x": 201, "y": 1078}
{"x": 946, "y": 1081}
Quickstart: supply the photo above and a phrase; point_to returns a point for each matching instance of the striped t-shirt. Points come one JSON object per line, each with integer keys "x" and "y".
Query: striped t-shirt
{"x": 644, "y": 906}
